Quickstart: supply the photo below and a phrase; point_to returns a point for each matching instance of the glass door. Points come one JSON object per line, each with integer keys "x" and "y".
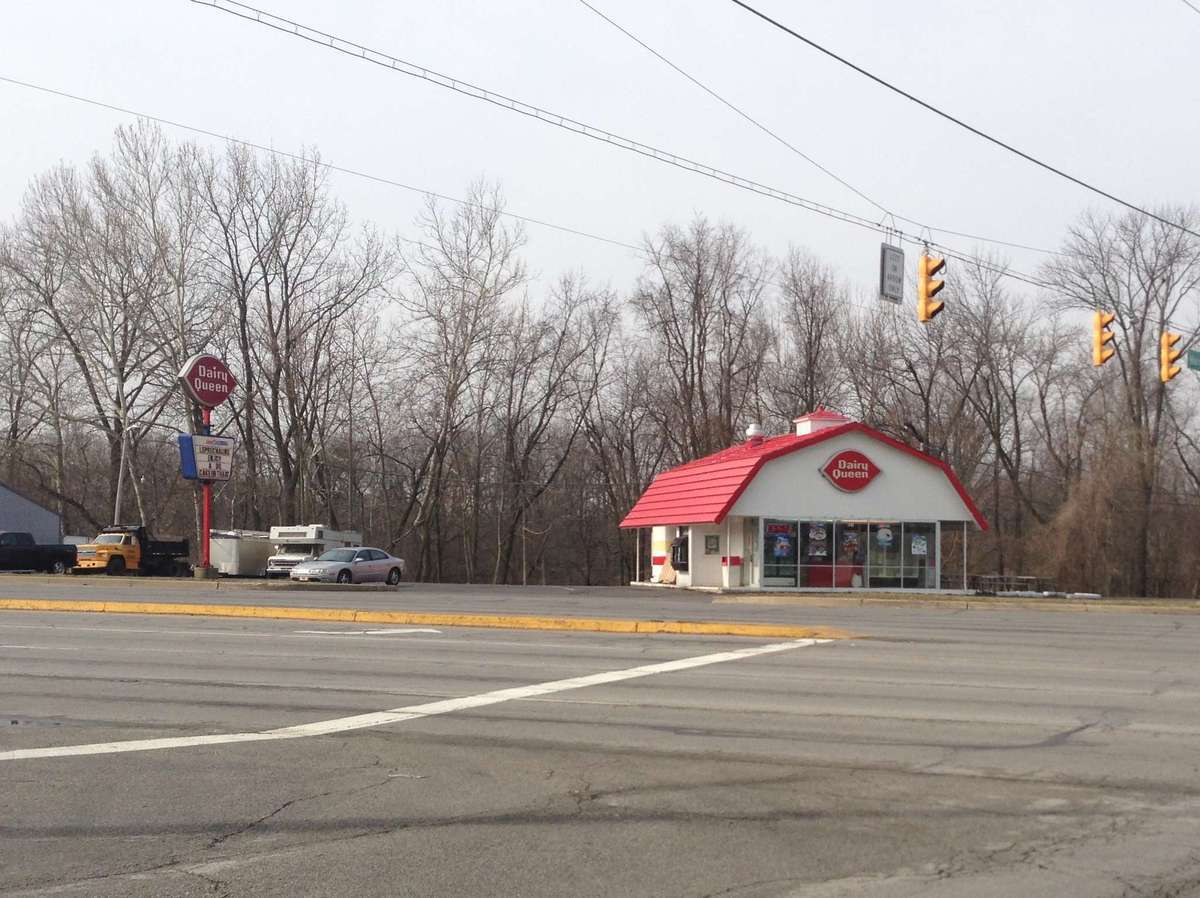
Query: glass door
{"x": 779, "y": 553}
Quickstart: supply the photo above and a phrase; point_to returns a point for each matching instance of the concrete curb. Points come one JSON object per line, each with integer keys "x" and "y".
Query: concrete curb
{"x": 973, "y": 603}
{"x": 434, "y": 619}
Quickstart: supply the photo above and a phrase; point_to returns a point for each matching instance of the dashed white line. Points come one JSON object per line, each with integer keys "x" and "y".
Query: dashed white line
{"x": 412, "y": 712}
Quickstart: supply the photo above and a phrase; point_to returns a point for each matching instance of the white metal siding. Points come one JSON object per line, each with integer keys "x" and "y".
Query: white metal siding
{"x": 906, "y": 489}
{"x": 19, "y": 513}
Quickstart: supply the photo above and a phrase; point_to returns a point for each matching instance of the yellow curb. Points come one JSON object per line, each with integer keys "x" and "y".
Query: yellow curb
{"x": 435, "y": 619}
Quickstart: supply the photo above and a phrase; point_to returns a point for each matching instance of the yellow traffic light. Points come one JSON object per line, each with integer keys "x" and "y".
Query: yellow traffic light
{"x": 1167, "y": 356}
{"x": 1101, "y": 321}
{"x": 928, "y": 287}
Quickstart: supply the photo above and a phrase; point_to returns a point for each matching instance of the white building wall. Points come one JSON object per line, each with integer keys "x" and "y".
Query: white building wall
{"x": 734, "y": 572}
{"x": 660, "y": 549}
{"x": 705, "y": 569}
{"x": 906, "y": 489}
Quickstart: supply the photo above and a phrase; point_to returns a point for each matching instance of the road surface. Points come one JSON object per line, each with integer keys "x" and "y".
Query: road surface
{"x": 937, "y": 753}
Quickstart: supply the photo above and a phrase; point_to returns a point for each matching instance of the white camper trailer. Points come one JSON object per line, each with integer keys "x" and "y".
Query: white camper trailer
{"x": 240, "y": 553}
{"x": 304, "y": 542}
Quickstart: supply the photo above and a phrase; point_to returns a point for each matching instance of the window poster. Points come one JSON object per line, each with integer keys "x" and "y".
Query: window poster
{"x": 783, "y": 545}
{"x": 818, "y": 545}
{"x": 920, "y": 544}
{"x": 884, "y": 537}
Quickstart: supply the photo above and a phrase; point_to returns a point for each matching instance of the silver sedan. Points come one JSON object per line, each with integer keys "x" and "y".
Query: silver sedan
{"x": 355, "y": 565}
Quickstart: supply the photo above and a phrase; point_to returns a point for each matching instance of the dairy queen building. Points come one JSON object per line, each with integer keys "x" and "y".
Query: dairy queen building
{"x": 833, "y": 505}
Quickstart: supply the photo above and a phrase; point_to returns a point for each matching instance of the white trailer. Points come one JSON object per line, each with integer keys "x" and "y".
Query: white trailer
{"x": 240, "y": 553}
{"x": 304, "y": 542}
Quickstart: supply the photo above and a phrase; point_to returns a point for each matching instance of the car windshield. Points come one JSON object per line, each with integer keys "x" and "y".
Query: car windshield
{"x": 338, "y": 555}
{"x": 109, "y": 539}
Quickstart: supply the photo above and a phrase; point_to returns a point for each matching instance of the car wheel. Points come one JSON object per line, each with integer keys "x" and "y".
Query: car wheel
{"x": 59, "y": 566}
{"x": 115, "y": 566}
{"x": 393, "y": 577}
{"x": 344, "y": 577}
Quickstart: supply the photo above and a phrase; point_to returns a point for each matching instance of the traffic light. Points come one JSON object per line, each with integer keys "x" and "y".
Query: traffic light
{"x": 1167, "y": 355}
{"x": 928, "y": 287}
{"x": 1101, "y": 321}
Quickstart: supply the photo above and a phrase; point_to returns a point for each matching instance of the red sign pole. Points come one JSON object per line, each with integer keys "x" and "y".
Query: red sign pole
{"x": 206, "y": 495}
{"x": 209, "y": 382}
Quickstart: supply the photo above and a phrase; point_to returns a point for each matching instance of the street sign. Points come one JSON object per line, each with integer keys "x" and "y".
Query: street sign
{"x": 205, "y": 458}
{"x": 1193, "y": 359}
{"x": 891, "y": 273}
{"x": 207, "y": 379}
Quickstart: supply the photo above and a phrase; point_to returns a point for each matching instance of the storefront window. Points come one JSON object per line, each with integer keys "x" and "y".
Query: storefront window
{"x": 885, "y": 555}
{"x": 780, "y": 552}
{"x": 816, "y": 553}
{"x": 842, "y": 554}
{"x": 850, "y": 559}
{"x": 920, "y": 560}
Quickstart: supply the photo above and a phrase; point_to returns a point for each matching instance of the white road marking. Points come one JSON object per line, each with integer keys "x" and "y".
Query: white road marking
{"x": 412, "y": 712}
{"x": 51, "y": 648}
{"x": 388, "y": 632}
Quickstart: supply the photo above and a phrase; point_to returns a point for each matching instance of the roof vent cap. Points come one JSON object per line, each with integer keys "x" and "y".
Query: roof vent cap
{"x": 819, "y": 419}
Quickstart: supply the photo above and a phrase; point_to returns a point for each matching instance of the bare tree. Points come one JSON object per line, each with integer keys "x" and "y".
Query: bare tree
{"x": 1147, "y": 274}
{"x": 701, "y": 300}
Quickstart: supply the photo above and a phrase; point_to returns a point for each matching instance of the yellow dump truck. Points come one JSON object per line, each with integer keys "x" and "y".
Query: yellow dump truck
{"x": 131, "y": 550}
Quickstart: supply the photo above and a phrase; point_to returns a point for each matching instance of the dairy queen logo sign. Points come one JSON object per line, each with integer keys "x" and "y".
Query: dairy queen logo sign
{"x": 850, "y": 470}
{"x": 207, "y": 379}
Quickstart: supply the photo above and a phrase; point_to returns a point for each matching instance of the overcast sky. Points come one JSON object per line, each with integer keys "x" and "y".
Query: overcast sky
{"x": 1107, "y": 89}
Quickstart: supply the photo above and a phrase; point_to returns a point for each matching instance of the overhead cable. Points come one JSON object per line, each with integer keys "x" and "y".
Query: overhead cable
{"x": 312, "y": 160}
{"x": 774, "y": 135}
{"x": 358, "y": 51}
{"x": 962, "y": 124}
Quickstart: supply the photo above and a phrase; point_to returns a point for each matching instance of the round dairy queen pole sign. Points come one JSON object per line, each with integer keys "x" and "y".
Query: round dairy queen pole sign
{"x": 208, "y": 381}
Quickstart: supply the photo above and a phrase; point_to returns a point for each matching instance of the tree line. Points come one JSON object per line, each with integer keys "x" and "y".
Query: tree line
{"x": 425, "y": 389}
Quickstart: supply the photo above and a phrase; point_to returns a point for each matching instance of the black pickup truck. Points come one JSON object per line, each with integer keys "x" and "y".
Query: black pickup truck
{"x": 19, "y": 552}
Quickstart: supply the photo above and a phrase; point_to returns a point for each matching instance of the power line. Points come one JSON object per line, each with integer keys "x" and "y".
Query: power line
{"x": 358, "y": 51}
{"x": 297, "y": 157}
{"x": 778, "y": 139}
{"x": 391, "y": 182}
{"x": 1193, "y": 7}
{"x": 741, "y": 112}
{"x": 957, "y": 121}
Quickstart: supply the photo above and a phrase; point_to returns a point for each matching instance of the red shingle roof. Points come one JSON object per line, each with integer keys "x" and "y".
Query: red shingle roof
{"x": 703, "y": 491}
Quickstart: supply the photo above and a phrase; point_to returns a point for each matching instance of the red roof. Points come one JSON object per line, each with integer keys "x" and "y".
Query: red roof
{"x": 703, "y": 491}
{"x": 821, "y": 414}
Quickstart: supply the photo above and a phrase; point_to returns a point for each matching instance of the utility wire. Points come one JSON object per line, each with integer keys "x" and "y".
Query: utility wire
{"x": 310, "y": 160}
{"x": 391, "y": 182}
{"x": 957, "y": 121}
{"x": 358, "y": 51}
{"x": 378, "y": 179}
{"x": 741, "y": 112}
{"x": 778, "y": 139}
{"x": 1190, "y": 5}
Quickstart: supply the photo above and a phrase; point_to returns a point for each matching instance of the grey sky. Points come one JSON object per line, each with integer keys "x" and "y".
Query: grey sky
{"x": 1107, "y": 90}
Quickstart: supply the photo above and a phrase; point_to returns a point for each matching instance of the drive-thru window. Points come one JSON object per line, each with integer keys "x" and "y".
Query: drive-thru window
{"x": 833, "y": 505}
